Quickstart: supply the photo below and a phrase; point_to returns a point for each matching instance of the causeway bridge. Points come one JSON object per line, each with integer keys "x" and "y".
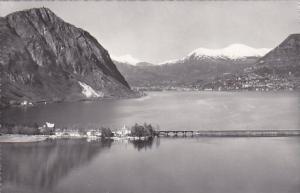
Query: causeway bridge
{"x": 227, "y": 133}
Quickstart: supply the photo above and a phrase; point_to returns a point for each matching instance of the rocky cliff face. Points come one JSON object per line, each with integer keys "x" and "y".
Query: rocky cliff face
{"x": 282, "y": 60}
{"x": 43, "y": 58}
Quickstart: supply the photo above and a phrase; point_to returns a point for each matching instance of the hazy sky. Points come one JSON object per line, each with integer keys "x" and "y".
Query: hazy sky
{"x": 157, "y": 31}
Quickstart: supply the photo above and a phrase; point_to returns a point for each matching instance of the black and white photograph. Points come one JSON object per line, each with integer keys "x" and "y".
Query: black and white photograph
{"x": 150, "y": 96}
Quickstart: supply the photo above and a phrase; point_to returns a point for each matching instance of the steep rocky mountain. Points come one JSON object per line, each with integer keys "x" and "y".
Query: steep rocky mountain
{"x": 43, "y": 58}
{"x": 199, "y": 67}
{"x": 282, "y": 60}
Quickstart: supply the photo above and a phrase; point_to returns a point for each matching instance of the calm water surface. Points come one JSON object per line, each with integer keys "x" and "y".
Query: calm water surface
{"x": 164, "y": 165}
{"x": 173, "y": 110}
{"x": 175, "y": 165}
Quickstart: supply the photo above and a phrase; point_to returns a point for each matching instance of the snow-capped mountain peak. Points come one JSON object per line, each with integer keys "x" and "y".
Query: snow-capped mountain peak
{"x": 233, "y": 51}
{"x": 126, "y": 59}
{"x": 169, "y": 61}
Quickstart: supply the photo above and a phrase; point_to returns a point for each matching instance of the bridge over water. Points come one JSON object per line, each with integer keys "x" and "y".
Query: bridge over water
{"x": 228, "y": 133}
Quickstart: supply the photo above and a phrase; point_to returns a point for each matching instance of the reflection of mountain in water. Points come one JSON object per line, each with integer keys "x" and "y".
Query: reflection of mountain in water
{"x": 40, "y": 166}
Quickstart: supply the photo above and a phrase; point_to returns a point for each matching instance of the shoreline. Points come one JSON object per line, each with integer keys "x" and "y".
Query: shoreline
{"x": 38, "y": 103}
{"x": 21, "y": 138}
{"x": 43, "y": 102}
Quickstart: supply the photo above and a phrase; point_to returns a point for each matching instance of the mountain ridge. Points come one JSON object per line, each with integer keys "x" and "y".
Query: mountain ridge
{"x": 182, "y": 72}
{"x": 231, "y": 52}
{"x": 126, "y": 59}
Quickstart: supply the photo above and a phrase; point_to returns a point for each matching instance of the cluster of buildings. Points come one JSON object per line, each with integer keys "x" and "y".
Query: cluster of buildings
{"x": 252, "y": 81}
{"x": 229, "y": 81}
{"x": 92, "y": 133}
{"x": 165, "y": 88}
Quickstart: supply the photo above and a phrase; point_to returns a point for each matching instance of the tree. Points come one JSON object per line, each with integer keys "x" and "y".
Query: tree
{"x": 106, "y": 133}
{"x": 145, "y": 130}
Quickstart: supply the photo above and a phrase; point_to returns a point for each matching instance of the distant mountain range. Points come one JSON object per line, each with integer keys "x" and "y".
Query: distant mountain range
{"x": 231, "y": 52}
{"x": 279, "y": 69}
{"x": 128, "y": 59}
{"x": 200, "y": 66}
{"x": 43, "y": 58}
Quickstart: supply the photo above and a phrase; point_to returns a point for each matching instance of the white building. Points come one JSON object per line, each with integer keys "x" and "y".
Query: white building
{"x": 123, "y": 132}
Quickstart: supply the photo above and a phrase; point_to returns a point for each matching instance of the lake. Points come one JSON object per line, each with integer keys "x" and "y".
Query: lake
{"x": 177, "y": 165}
{"x": 165, "y": 164}
{"x": 172, "y": 110}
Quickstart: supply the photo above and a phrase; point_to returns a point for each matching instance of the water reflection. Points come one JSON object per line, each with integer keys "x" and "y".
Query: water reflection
{"x": 41, "y": 166}
{"x": 145, "y": 144}
{"x": 229, "y": 165}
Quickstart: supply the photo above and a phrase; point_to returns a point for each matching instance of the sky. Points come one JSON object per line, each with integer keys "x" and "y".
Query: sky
{"x": 155, "y": 31}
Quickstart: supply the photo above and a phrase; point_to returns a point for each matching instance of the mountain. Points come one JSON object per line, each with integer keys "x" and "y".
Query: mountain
{"x": 233, "y": 51}
{"x": 144, "y": 64}
{"x": 127, "y": 59}
{"x": 141, "y": 74}
{"x": 282, "y": 60}
{"x": 279, "y": 69}
{"x": 200, "y": 66}
{"x": 43, "y": 58}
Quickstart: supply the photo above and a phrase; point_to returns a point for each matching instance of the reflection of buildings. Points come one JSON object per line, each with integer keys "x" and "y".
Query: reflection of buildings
{"x": 39, "y": 167}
